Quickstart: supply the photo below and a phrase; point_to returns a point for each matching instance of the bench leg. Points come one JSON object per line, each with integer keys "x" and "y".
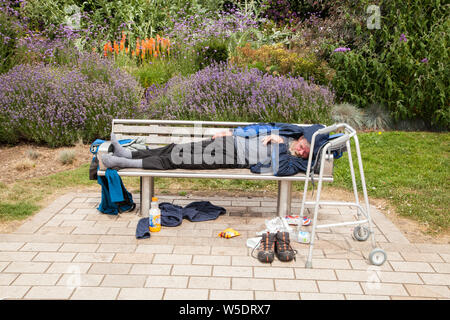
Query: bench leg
{"x": 147, "y": 192}
{"x": 284, "y": 198}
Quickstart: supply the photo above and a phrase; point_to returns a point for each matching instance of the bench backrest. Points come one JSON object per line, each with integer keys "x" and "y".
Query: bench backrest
{"x": 163, "y": 132}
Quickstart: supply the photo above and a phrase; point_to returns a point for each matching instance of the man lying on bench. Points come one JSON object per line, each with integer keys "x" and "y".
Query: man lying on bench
{"x": 278, "y": 148}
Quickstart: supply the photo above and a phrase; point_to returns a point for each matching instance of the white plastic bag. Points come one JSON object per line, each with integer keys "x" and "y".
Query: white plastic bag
{"x": 276, "y": 224}
{"x": 253, "y": 242}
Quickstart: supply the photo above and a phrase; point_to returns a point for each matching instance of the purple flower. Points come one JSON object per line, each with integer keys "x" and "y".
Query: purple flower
{"x": 403, "y": 38}
{"x": 228, "y": 92}
{"x": 341, "y": 49}
{"x": 59, "y": 105}
{"x": 424, "y": 60}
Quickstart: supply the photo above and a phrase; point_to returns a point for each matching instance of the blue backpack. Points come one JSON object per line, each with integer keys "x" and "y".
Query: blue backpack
{"x": 115, "y": 197}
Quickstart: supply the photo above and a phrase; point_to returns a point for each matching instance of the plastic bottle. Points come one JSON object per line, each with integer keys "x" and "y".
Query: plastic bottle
{"x": 303, "y": 237}
{"x": 154, "y": 216}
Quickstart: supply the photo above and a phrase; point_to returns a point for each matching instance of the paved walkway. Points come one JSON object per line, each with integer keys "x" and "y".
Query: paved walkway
{"x": 71, "y": 251}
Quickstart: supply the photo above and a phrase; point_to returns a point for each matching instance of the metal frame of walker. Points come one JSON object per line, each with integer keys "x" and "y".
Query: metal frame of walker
{"x": 377, "y": 256}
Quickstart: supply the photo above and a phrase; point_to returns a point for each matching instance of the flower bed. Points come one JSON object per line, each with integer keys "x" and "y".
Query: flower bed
{"x": 224, "y": 92}
{"x": 60, "y": 105}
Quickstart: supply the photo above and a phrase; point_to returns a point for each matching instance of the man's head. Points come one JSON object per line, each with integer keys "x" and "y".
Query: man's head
{"x": 300, "y": 148}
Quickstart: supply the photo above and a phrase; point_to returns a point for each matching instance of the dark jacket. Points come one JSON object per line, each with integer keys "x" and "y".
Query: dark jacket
{"x": 172, "y": 214}
{"x": 283, "y": 163}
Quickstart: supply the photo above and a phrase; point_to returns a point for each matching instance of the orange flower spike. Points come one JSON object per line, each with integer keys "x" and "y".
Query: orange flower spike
{"x": 146, "y": 44}
{"x": 116, "y": 47}
{"x": 165, "y": 44}
{"x": 137, "y": 46}
{"x": 149, "y": 44}
{"x": 133, "y": 53}
{"x": 127, "y": 50}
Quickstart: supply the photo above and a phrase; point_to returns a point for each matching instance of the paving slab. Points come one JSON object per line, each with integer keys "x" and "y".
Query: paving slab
{"x": 69, "y": 250}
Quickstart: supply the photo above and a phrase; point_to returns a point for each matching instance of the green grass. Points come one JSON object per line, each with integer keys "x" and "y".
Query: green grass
{"x": 23, "y": 198}
{"x": 409, "y": 169}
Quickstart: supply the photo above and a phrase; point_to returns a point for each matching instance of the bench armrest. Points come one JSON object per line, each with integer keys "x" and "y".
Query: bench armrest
{"x": 104, "y": 148}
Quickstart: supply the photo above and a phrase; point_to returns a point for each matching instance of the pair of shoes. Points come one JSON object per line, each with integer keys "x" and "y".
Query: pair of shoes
{"x": 275, "y": 244}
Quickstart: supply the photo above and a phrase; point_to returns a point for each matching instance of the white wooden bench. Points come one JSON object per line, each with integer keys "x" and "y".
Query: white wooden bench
{"x": 158, "y": 133}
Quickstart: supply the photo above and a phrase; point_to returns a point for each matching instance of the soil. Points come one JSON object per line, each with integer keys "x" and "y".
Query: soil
{"x": 17, "y": 164}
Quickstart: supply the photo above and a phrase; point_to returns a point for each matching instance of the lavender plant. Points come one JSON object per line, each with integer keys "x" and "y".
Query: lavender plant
{"x": 59, "y": 105}
{"x": 223, "y": 92}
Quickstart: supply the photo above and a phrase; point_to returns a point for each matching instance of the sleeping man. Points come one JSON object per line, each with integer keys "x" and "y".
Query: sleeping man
{"x": 272, "y": 148}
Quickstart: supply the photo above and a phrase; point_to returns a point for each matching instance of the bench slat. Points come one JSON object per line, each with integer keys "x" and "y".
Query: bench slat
{"x": 161, "y": 140}
{"x": 165, "y": 130}
{"x": 215, "y": 174}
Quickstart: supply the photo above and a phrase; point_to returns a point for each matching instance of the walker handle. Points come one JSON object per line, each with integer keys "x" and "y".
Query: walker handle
{"x": 339, "y": 141}
{"x": 335, "y": 127}
{"x": 328, "y": 129}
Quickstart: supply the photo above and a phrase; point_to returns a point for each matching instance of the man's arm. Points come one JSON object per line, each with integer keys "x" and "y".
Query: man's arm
{"x": 273, "y": 138}
{"x": 223, "y": 134}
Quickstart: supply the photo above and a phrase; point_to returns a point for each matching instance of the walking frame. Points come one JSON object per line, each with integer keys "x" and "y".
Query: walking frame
{"x": 377, "y": 256}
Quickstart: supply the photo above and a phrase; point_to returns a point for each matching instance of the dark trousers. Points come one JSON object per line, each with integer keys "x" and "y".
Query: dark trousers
{"x": 193, "y": 155}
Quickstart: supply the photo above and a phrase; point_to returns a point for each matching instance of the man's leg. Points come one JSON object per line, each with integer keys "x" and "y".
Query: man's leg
{"x": 216, "y": 154}
{"x": 156, "y": 159}
{"x": 111, "y": 161}
{"x": 183, "y": 156}
{"x": 119, "y": 151}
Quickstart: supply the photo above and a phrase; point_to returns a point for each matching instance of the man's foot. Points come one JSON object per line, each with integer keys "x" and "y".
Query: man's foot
{"x": 267, "y": 244}
{"x": 283, "y": 248}
{"x": 119, "y": 151}
{"x": 111, "y": 161}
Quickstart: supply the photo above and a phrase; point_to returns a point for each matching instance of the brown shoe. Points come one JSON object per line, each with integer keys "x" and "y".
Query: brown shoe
{"x": 267, "y": 246}
{"x": 283, "y": 248}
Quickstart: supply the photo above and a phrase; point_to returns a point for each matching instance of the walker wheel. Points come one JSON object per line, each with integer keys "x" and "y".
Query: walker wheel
{"x": 377, "y": 257}
{"x": 361, "y": 233}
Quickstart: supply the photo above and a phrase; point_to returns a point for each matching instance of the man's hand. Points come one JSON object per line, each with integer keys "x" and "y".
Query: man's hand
{"x": 273, "y": 138}
{"x": 222, "y": 134}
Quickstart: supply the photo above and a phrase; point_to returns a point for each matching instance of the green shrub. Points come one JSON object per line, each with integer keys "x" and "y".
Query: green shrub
{"x": 157, "y": 72}
{"x": 376, "y": 117}
{"x": 276, "y": 59}
{"x": 348, "y": 113}
{"x": 209, "y": 52}
{"x": 32, "y": 154}
{"x": 404, "y": 65}
{"x": 9, "y": 33}
{"x": 66, "y": 156}
{"x": 107, "y": 19}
